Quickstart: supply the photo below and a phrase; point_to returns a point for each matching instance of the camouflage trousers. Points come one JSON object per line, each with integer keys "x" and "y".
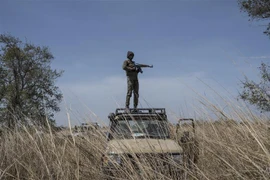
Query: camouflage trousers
{"x": 132, "y": 86}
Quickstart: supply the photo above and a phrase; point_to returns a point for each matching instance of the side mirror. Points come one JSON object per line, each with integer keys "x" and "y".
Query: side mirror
{"x": 185, "y": 121}
{"x": 111, "y": 116}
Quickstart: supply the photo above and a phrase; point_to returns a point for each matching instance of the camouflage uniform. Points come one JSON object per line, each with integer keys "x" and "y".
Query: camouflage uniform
{"x": 132, "y": 80}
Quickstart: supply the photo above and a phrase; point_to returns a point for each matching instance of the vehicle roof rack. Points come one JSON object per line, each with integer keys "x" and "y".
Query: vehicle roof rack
{"x": 160, "y": 111}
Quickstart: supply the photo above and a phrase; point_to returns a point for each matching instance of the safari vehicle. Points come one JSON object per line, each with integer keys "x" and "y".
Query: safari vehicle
{"x": 86, "y": 129}
{"x": 138, "y": 141}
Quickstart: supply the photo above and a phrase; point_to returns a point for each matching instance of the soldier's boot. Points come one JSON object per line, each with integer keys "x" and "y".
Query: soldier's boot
{"x": 135, "y": 109}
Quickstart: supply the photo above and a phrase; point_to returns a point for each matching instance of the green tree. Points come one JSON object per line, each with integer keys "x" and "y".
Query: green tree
{"x": 28, "y": 94}
{"x": 258, "y": 94}
{"x": 257, "y": 10}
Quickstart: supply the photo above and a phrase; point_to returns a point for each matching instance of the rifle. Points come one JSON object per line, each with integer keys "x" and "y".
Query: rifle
{"x": 140, "y": 66}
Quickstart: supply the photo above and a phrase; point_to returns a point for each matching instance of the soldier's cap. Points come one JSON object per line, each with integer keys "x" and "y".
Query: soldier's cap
{"x": 129, "y": 53}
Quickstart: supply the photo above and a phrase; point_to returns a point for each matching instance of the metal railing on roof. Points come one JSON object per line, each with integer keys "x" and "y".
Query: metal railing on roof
{"x": 160, "y": 111}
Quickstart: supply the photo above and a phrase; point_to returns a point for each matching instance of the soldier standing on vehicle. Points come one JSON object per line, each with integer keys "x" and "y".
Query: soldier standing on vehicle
{"x": 132, "y": 79}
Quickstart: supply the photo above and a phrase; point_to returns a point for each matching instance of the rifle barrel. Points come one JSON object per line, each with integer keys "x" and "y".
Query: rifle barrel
{"x": 142, "y": 65}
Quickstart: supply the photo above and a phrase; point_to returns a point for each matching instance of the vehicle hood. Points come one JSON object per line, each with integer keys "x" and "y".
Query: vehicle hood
{"x": 121, "y": 146}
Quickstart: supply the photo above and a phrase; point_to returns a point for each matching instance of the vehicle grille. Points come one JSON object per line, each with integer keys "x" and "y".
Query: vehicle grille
{"x": 152, "y": 162}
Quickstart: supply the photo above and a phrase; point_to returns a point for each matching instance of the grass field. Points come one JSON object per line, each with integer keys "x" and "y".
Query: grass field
{"x": 227, "y": 150}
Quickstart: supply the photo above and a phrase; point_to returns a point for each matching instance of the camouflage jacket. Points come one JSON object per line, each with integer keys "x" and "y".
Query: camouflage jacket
{"x": 127, "y": 66}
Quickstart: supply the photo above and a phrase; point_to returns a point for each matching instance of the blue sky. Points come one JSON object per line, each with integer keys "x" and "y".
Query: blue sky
{"x": 186, "y": 41}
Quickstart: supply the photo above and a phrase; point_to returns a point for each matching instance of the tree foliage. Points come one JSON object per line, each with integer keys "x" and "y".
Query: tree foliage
{"x": 257, "y": 10}
{"x": 28, "y": 93}
{"x": 258, "y": 94}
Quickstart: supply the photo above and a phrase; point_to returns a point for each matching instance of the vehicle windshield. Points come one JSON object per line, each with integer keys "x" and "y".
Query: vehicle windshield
{"x": 140, "y": 129}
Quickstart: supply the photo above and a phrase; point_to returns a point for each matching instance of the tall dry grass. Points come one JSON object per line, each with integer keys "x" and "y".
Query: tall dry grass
{"x": 234, "y": 150}
{"x": 228, "y": 149}
{"x": 28, "y": 154}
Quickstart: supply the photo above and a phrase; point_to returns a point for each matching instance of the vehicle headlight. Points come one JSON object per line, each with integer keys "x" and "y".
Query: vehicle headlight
{"x": 115, "y": 159}
{"x": 177, "y": 158}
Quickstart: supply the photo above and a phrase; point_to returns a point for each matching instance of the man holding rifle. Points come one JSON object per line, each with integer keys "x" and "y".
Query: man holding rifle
{"x": 132, "y": 69}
